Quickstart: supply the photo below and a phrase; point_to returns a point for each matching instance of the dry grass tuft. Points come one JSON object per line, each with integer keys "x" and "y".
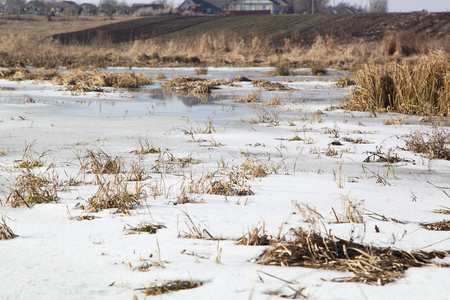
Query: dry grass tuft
{"x": 275, "y": 101}
{"x": 30, "y": 158}
{"x": 146, "y": 147}
{"x": 253, "y": 97}
{"x": 115, "y": 194}
{"x": 257, "y": 236}
{"x": 201, "y": 71}
{"x": 168, "y": 163}
{"x": 270, "y": 86}
{"x": 5, "y": 232}
{"x": 253, "y": 168}
{"x": 282, "y": 70}
{"x": 434, "y": 145}
{"x": 80, "y": 80}
{"x": 190, "y": 85}
{"x": 99, "y": 162}
{"x": 240, "y": 78}
{"x": 318, "y": 70}
{"x": 29, "y": 189}
{"x": 345, "y": 82}
{"x": 379, "y": 156}
{"x": 352, "y": 210}
{"x": 137, "y": 172}
{"x": 421, "y": 88}
{"x": 234, "y": 184}
{"x": 170, "y": 286}
{"x": 150, "y": 228}
{"x": 371, "y": 265}
{"x": 160, "y": 76}
{"x": 444, "y": 210}
{"x": 88, "y": 81}
{"x": 443, "y": 225}
{"x": 195, "y": 230}
{"x": 266, "y": 117}
{"x": 392, "y": 121}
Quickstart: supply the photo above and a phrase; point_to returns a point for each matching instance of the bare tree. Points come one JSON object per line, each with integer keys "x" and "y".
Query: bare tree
{"x": 310, "y": 6}
{"x": 378, "y": 6}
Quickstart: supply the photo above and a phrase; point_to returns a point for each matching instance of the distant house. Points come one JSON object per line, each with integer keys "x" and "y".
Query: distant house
{"x": 272, "y": 7}
{"x": 199, "y": 6}
{"x": 123, "y": 9}
{"x": 286, "y": 6}
{"x": 35, "y": 7}
{"x": 222, "y": 4}
{"x": 107, "y": 9}
{"x": 154, "y": 6}
{"x": 69, "y": 8}
{"x": 88, "y": 9}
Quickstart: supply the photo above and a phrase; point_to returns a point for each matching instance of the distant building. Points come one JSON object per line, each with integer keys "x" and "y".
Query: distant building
{"x": 88, "y": 9}
{"x": 270, "y": 6}
{"x": 199, "y": 6}
{"x": 222, "y": 4}
{"x": 35, "y": 7}
{"x": 155, "y": 6}
{"x": 69, "y": 8}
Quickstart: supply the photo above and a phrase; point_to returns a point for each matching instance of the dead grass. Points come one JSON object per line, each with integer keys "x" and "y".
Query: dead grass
{"x": 275, "y": 101}
{"x": 201, "y": 71}
{"x": 253, "y": 97}
{"x": 99, "y": 162}
{"x": 87, "y": 81}
{"x": 168, "y": 163}
{"x": 392, "y": 121}
{"x": 443, "y": 225}
{"x": 5, "y": 232}
{"x": 29, "y": 189}
{"x": 253, "y": 168}
{"x": 30, "y": 158}
{"x": 137, "y": 172}
{"x": 421, "y": 88}
{"x": 345, "y": 81}
{"x": 79, "y": 80}
{"x": 170, "y": 286}
{"x": 149, "y": 228}
{"x": 234, "y": 183}
{"x": 352, "y": 212}
{"x": 444, "y": 210}
{"x": 195, "y": 231}
{"x": 258, "y": 236}
{"x": 435, "y": 144}
{"x": 369, "y": 264}
{"x": 282, "y": 70}
{"x": 146, "y": 147}
{"x": 218, "y": 48}
{"x": 190, "y": 85}
{"x": 270, "y": 86}
{"x": 114, "y": 193}
{"x": 266, "y": 117}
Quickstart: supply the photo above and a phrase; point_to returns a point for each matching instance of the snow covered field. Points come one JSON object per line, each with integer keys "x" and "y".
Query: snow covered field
{"x": 316, "y": 160}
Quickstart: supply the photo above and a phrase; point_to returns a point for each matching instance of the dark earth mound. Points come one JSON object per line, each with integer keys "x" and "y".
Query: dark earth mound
{"x": 299, "y": 28}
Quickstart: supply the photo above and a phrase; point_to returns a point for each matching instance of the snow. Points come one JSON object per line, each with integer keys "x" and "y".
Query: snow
{"x": 58, "y": 257}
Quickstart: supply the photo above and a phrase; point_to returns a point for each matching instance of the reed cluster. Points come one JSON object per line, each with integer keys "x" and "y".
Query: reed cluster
{"x": 421, "y": 88}
{"x": 214, "y": 48}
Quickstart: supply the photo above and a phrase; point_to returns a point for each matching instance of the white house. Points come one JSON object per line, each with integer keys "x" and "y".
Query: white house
{"x": 255, "y": 5}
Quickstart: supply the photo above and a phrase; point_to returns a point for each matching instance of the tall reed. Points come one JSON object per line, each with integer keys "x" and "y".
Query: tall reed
{"x": 422, "y": 88}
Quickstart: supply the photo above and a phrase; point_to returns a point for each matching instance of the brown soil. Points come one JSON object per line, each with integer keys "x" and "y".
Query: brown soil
{"x": 299, "y": 28}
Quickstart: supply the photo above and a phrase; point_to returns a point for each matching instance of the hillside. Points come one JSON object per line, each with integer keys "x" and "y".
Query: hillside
{"x": 300, "y": 28}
